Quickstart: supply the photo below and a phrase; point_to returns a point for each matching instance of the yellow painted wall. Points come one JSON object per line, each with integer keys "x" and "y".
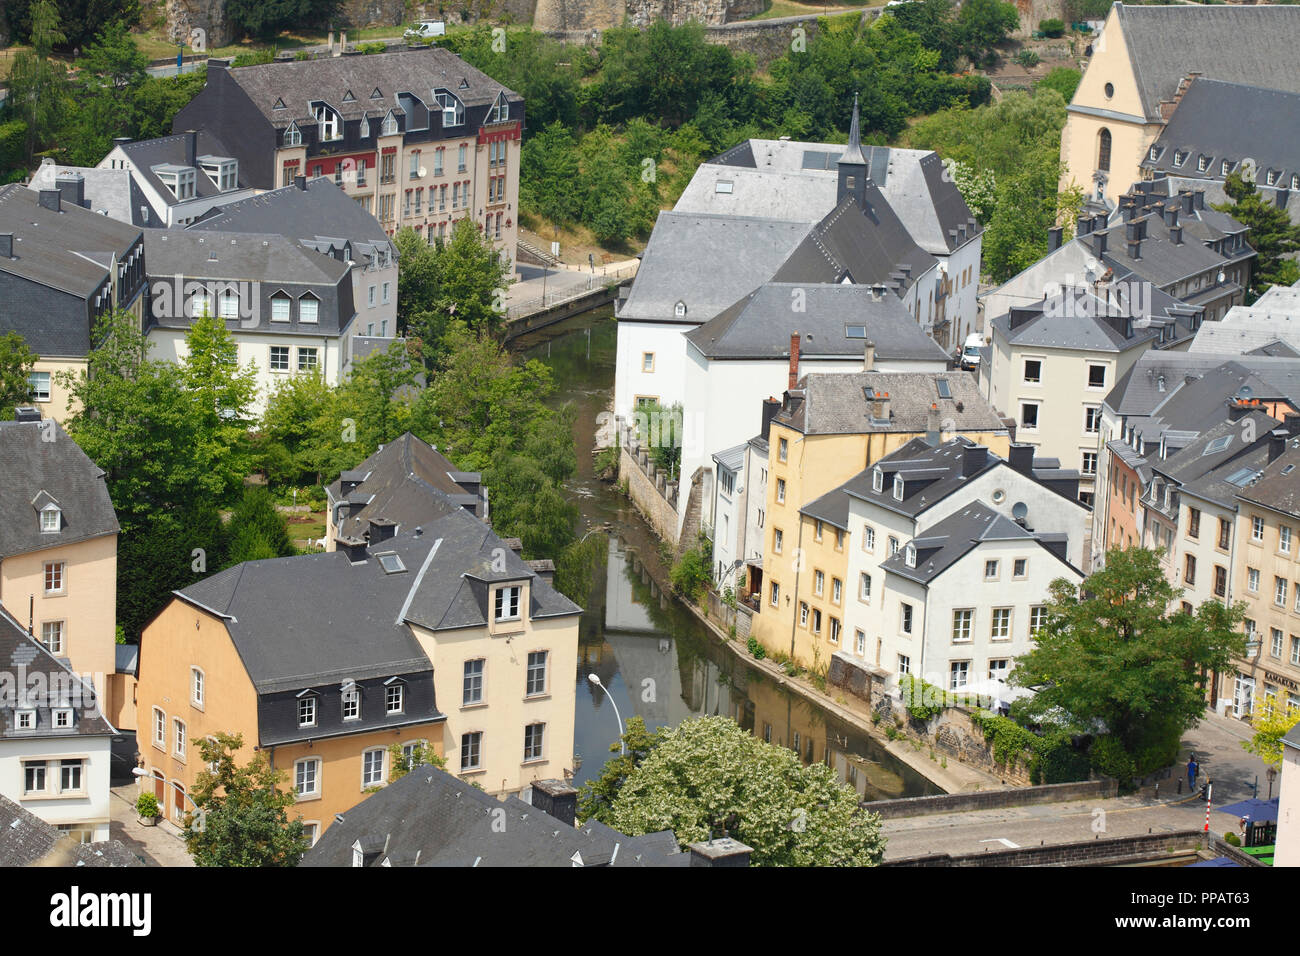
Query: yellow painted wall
{"x": 57, "y": 407}
{"x": 1271, "y": 563}
{"x": 88, "y": 604}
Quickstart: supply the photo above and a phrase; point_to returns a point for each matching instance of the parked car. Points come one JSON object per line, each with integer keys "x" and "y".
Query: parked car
{"x": 426, "y": 29}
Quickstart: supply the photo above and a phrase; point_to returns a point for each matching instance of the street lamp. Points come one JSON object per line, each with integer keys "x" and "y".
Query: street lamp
{"x": 595, "y": 679}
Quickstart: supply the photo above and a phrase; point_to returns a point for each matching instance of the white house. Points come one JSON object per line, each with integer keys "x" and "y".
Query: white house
{"x": 55, "y": 746}
{"x": 1288, "y": 810}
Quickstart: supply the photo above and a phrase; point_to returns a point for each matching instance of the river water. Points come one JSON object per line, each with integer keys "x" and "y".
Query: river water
{"x": 653, "y": 655}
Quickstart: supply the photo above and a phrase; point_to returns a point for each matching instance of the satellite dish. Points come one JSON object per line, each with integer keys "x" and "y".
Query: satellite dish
{"x": 1020, "y": 511}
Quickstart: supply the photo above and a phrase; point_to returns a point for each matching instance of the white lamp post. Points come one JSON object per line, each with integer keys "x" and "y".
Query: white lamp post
{"x": 595, "y": 679}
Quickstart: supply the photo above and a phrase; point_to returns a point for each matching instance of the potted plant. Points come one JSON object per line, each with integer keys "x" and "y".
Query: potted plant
{"x": 147, "y": 808}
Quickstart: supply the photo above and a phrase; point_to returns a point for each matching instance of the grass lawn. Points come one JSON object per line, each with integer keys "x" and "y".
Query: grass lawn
{"x": 305, "y": 528}
{"x": 789, "y": 8}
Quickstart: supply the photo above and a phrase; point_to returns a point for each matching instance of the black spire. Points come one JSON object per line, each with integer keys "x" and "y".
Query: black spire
{"x": 853, "y": 165}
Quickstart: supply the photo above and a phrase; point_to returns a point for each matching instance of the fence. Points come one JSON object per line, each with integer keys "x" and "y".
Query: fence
{"x": 595, "y": 282}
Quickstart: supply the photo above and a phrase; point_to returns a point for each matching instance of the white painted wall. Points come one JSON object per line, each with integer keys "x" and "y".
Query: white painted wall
{"x": 666, "y": 382}
{"x": 89, "y": 808}
{"x": 1288, "y": 810}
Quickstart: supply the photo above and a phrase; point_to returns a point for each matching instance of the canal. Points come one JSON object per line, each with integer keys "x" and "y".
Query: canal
{"x": 656, "y": 658}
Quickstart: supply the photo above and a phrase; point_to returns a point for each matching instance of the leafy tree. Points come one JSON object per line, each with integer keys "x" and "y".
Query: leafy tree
{"x": 37, "y": 93}
{"x": 421, "y": 755}
{"x": 596, "y": 797}
{"x": 548, "y": 174}
{"x": 240, "y": 817}
{"x": 376, "y": 397}
{"x": 1113, "y": 654}
{"x": 1272, "y": 720}
{"x": 257, "y": 530}
{"x": 577, "y": 565}
{"x": 1272, "y": 235}
{"x": 266, "y": 18}
{"x": 1063, "y": 79}
{"x": 472, "y": 277}
{"x": 300, "y": 441}
{"x": 982, "y": 24}
{"x": 708, "y": 777}
{"x": 16, "y": 363}
{"x": 84, "y": 19}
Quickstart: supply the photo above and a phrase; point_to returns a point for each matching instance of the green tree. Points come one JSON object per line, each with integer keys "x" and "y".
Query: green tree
{"x": 266, "y": 18}
{"x": 1113, "y": 654}
{"x": 1272, "y": 235}
{"x": 596, "y": 797}
{"x": 1063, "y": 79}
{"x": 1271, "y": 721}
{"x": 472, "y": 278}
{"x": 16, "y": 363}
{"x": 982, "y": 24}
{"x": 257, "y": 530}
{"x": 421, "y": 755}
{"x": 708, "y": 777}
{"x": 548, "y": 172}
{"x": 377, "y": 397}
{"x": 37, "y": 83}
{"x": 84, "y": 19}
{"x": 240, "y": 816}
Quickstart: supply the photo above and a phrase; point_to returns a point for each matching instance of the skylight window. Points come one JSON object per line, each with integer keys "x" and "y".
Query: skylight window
{"x": 855, "y": 331}
{"x": 942, "y": 385}
{"x": 1218, "y": 445}
{"x": 723, "y": 186}
{"x": 1241, "y": 477}
{"x": 390, "y": 562}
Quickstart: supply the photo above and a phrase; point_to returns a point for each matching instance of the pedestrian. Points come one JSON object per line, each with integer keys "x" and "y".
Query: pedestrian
{"x": 1192, "y": 768}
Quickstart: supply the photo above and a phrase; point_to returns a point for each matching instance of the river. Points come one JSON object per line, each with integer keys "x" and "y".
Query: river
{"x": 657, "y": 660}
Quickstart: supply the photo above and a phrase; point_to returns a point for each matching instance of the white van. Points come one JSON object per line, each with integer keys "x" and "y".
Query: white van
{"x": 971, "y": 351}
{"x": 426, "y": 29}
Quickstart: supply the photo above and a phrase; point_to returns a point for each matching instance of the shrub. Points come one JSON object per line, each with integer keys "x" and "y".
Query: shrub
{"x": 146, "y": 805}
{"x": 377, "y": 47}
{"x": 1058, "y": 761}
{"x": 1232, "y": 839}
{"x": 756, "y": 650}
{"x": 1111, "y": 759}
{"x": 690, "y": 575}
{"x": 1028, "y": 58}
{"x": 922, "y": 700}
{"x": 302, "y": 55}
{"x": 1052, "y": 28}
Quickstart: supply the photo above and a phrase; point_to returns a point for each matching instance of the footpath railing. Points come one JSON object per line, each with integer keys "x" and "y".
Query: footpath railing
{"x": 595, "y": 282}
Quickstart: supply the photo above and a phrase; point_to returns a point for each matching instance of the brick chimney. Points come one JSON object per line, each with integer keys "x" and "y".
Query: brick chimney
{"x": 869, "y": 356}
{"x": 721, "y": 852}
{"x": 556, "y": 798}
{"x": 933, "y": 434}
{"x": 794, "y": 360}
{"x": 354, "y": 547}
{"x": 381, "y": 529}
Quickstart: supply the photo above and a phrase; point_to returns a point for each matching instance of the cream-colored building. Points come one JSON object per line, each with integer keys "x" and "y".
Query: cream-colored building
{"x": 1140, "y": 66}
{"x": 1288, "y": 810}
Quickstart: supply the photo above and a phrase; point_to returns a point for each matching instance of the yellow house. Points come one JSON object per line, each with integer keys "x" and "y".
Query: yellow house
{"x": 1141, "y": 64}
{"x": 443, "y": 637}
{"x": 58, "y": 551}
{"x": 829, "y": 429}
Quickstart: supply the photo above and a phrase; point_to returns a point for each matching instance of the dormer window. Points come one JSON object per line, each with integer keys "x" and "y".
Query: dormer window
{"x": 453, "y": 110}
{"x": 181, "y": 180}
{"x": 389, "y": 127}
{"x": 293, "y": 135}
{"x": 898, "y": 487}
{"x": 507, "y": 603}
{"x": 1180, "y": 157}
{"x": 331, "y": 124}
{"x": 307, "y": 710}
{"x": 679, "y": 310}
{"x": 223, "y": 171}
{"x": 200, "y": 304}
{"x": 501, "y": 111}
{"x": 1270, "y": 177}
{"x": 351, "y": 701}
{"x": 1155, "y": 152}
{"x": 1202, "y": 164}
{"x": 25, "y": 719}
{"x": 1295, "y": 182}
{"x": 1225, "y": 167}
{"x": 909, "y": 556}
{"x": 308, "y": 307}
{"x": 51, "y": 519}
{"x": 877, "y": 480}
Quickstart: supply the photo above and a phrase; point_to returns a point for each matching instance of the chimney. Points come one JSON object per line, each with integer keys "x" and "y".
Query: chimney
{"x": 1188, "y": 200}
{"x": 794, "y": 360}
{"x": 1277, "y": 443}
{"x": 1237, "y": 409}
{"x": 1021, "y": 457}
{"x": 1292, "y": 423}
{"x": 869, "y": 356}
{"x": 354, "y": 547}
{"x": 6, "y": 245}
{"x": 27, "y": 413}
{"x": 191, "y": 147}
{"x": 770, "y": 407}
{"x": 381, "y": 529}
{"x": 1054, "y": 238}
{"x": 73, "y": 188}
{"x": 1099, "y": 243}
{"x": 217, "y": 65}
{"x": 300, "y": 182}
{"x": 1131, "y": 230}
{"x": 1176, "y": 235}
{"x": 1135, "y": 248}
{"x": 544, "y": 568}
{"x": 879, "y": 406}
{"x": 556, "y": 798}
{"x": 721, "y": 852}
{"x": 1198, "y": 199}
{"x": 973, "y": 458}
{"x": 1171, "y": 214}
{"x": 121, "y": 140}
{"x": 49, "y": 198}
{"x": 1082, "y": 226}
{"x": 933, "y": 435}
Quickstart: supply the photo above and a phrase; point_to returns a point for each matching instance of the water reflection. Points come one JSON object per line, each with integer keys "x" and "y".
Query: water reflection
{"x": 652, "y": 654}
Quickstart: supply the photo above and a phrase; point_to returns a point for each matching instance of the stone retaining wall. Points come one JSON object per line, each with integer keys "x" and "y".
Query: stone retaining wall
{"x": 992, "y": 799}
{"x": 1110, "y": 852}
{"x": 652, "y": 494}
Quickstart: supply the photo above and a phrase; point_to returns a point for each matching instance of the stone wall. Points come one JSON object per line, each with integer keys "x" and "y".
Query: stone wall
{"x": 1110, "y": 852}
{"x": 184, "y": 17}
{"x": 654, "y": 497}
{"x": 1034, "y": 12}
{"x": 993, "y": 799}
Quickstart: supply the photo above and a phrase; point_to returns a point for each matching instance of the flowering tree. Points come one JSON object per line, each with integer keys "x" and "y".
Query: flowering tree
{"x": 1272, "y": 720}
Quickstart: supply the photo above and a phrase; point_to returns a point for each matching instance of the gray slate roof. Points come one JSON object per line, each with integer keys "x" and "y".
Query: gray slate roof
{"x": 1233, "y": 122}
{"x": 1240, "y": 44}
{"x": 308, "y": 619}
{"x": 1279, "y": 486}
{"x": 951, "y": 539}
{"x": 60, "y": 688}
{"x": 1205, "y": 475}
{"x": 707, "y": 262}
{"x": 835, "y": 403}
{"x": 759, "y": 325}
{"x": 112, "y": 192}
{"x": 431, "y": 818}
{"x": 299, "y": 83}
{"x": 27, "y": 840}
{"x": 173, "y": 150}
{"x": 239, "y": 256}
{"x": 28, "y": 466}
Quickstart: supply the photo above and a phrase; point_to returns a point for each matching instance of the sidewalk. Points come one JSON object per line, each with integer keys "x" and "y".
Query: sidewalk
{"x": 161, "y": 845}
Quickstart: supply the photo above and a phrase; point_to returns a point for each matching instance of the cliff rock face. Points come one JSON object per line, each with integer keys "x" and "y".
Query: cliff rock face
{"x": 372, "y": 13}
{"x": 202, "y": 24}
{"x": 603, "y": 14}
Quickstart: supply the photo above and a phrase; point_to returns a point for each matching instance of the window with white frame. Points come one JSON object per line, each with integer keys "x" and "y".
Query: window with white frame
{"x": 534, "y": 735}
{"x": 159, "y": 728}
{"x": 26, "y": 719}
{"x": 819, "y": 583}
{"x": 1018, "y": 567}
{"x": 860, "y": 643}
{"x": 54, "y": 577}
{"x": 280, "y": 308}
{"x": 1284, "y": 539}
{"x": 1279, "y": 591}
{"x": 868, "y": 538}
{"x": 958, "y": 675}
{"x": 1252, "y": 580}
{"x": 1029, "y": 415}
{"x": 904, "y": 664}
{"x": 453, "y": 111}
{"x": 835, "y": 630}
{"x": 279, "y": 358}
{"x": 196, "y": 686}
{"x": 394, "y": 699}
{"x": 178, "y": 737}
{"x": 898, "y": 487}
{"x": 1089, "y": 463}
{"x": 501, "y": 111}
{"x": 837, "y": 590}
{"x": 307, "y": 711}
{"x": 1275, "y": 646}
{"x": 63, "y": 717}
{"x": 308, "y": 309}
{"x": 39, "y": 385}
{"x": 70, "y": 775}
{"x": 1091, "y": 419}
{"x": 998, "y": 668}
{"x": 776, "y": 594}
{"x": 507, "y": 603}
{"x": 471, "y": 750}
{"x": 351, "y": 699}
{"x": 905, "y": 618}
{"x": 877, "y": 480}
{"x": 990, "y": 570}
{"x": 780, "y": 491}
{"x": 864, "y": 586}
{"x": 1256, "y": 528}
{"x": 307, "y": 359}
{"x": 893, "y": 546}
{"x": 472, "y": 686}
{"x": 536, "y": 683}
{"x": 33, "y": 776}
{"x": 306, "y": 777}
{"x": 1295, "y": 650}
{"x": 228, "y": 304}
{"x": 52, "y": 636}
{"x": 1000, "y": 629}
{"x": 372, "y": 767}
{"x": 962, "y": 619}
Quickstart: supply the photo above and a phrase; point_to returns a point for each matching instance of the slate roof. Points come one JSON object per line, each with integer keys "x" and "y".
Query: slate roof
{"x": 1141, "y": 389}
{"x": 30, "y": 465}
{"x": 759, "y": 325}
{"x": 60, "y": 688}
{"x": 1240, "y": 44}
{"x": 297, "y": 84}
{"x": 321, "y": 213}
{"x": 173, "y": 150}
{"x": 309, "y": 619}
{"x": 1075, "y": 319}
{"x": 239, "y": 256}
{"x": 950, "y": 540}
{"x": 707, "y": 262}
{"x": 65, "y": 251}
{"x": 864, "y": 245}
{"x": 1270, "y": 326}
{"x": 835, "y": 403}
{"x": 27, "y": 840}
{"x": 1279, "y": 486}
{"x": 1205, "y": 475}
{"x": 447, "y": 822}
{"x": 409, "y": 482}
{"x": 1233, "y": 122}
{"x": 111, "y": 192}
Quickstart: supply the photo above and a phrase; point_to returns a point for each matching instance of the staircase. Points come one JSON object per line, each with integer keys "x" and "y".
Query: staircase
{"x": 531, "y": 254}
